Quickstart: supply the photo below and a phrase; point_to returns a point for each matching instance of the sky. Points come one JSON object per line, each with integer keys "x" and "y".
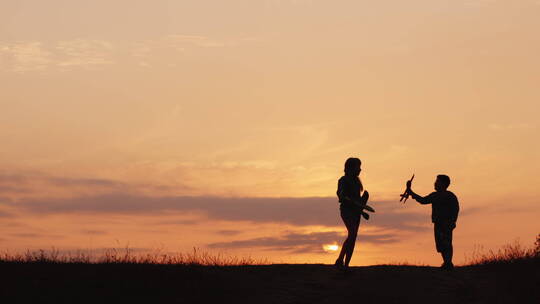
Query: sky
{"x": 224, "y": 125}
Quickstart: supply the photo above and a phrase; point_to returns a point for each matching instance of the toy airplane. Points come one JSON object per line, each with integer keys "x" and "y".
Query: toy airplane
{"x": 405, "y": 195}
{"x": 365, "y": 207}
{"x": 368, "y": 208}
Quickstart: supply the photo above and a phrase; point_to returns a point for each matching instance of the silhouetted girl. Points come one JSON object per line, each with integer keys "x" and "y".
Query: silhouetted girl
{"x": 351, "y": 207}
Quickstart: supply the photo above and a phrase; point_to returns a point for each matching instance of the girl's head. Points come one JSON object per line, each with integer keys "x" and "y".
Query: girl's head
{"x": 352, "y": 166}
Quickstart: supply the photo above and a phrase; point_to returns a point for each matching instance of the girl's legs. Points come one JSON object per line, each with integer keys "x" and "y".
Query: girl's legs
{"x": 352, "y": 224}
{"x": 353, "y": 232}
{"x": 339, "y": 261}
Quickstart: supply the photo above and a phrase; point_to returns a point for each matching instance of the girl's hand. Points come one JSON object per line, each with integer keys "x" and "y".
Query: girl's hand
{"x": 365, "y": 197}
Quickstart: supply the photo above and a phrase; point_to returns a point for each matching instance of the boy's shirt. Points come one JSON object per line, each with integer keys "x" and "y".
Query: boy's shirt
{"x": 444, "y": 206}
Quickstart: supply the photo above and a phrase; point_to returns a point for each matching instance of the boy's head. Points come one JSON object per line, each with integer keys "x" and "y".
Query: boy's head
{"x": 442, "y": 182}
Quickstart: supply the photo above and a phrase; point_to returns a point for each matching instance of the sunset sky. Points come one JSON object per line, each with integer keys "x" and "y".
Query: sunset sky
{"x": 224, "y": 125}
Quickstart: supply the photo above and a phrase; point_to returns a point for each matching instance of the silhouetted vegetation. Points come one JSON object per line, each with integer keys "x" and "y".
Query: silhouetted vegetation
{"x": 128, "y": 256}
{"x": 509, "y": 253}
{"x": 510, "y": 275}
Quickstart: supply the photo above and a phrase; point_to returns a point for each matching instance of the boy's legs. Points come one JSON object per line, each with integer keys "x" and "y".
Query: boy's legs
{"x": 443, "y": 241}
{"x": 447, "y": 256}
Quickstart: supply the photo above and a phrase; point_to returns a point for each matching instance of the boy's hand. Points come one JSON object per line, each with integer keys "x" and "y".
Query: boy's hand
{"x": 408, "y": 190}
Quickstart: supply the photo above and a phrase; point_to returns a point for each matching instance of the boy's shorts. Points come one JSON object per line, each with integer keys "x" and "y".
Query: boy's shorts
{"x": 443, "y": 235}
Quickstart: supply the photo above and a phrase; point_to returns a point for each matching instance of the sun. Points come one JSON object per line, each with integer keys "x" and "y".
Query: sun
{"x": 330, "y": 247}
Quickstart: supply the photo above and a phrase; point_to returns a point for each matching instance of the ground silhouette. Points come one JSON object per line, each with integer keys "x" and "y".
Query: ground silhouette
{"x": 23, "y": 282}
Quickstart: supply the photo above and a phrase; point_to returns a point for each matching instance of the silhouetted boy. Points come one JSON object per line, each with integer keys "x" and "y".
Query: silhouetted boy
{"x": 444, "y": 214}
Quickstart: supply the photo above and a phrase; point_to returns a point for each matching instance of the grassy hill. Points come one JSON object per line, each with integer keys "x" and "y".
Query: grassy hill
{"x": 37, "y": 282}
{"x": 510, "y": 275}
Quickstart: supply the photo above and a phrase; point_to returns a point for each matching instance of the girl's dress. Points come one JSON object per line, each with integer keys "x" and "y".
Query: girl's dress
{"x": 349, "y": 189}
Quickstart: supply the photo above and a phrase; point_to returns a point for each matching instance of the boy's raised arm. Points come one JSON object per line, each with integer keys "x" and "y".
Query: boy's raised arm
{"x": 420, "y": 199}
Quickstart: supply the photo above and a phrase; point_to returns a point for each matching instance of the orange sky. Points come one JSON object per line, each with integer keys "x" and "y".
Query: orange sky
{"x": 224, "y": 125}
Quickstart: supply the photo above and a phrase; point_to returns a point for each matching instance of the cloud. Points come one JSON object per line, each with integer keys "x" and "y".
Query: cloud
{"x": 84, "y": 53}
{"x": 510, "y": 126}
{"x": 150, "y": 52}
{"x": 86, "y": 182}
{"x": 94, "y": 232}
{"x": 182, "y": 222}
{"x": 5, "y": 211}
{"x": 176, "y": 42}
{"x": 302, "y": 242}
{"x": 180, "y": 41}
{"x": 25, "y": 56}
{"x": 29, "y": 235}
{"x": 229, "y": 232}
{"x": 5, "y": 214}
{"x": 25, "y": 184}
{"x": 23, "y": 194}
{"x": 33, "y": 184}
{"x": 472, "y": 211}
{"x": 322, "y": 211}
{"x": 26, "y": 235}
{"x": 94, "y": 254}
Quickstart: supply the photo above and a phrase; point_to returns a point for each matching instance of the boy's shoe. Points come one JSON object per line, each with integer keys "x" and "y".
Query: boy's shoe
{"x": 339, "y": 265}
{"x": 447, "y": 266}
